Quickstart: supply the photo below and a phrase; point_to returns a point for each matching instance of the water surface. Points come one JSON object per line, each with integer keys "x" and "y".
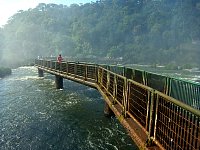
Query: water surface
{"x": 36, "y": 116}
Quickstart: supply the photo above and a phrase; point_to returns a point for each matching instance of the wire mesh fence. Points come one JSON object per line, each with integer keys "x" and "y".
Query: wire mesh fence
{"x": 167, "y": 108}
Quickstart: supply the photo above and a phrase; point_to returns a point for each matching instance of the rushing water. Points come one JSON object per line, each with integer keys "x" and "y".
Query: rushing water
{"x": 36, "y": 116}
{"x": 187, "y": 74}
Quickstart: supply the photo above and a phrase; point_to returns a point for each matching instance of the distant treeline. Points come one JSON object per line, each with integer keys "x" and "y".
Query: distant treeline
{"x": 5, "y": 71}
{"x": 134, "y": 31}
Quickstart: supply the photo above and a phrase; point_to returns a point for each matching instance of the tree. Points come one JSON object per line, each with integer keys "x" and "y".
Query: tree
{"x": 140, "y": 31}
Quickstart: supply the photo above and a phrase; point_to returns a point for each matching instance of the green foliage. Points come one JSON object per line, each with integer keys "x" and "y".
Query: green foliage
{"x": 139, "y": 31}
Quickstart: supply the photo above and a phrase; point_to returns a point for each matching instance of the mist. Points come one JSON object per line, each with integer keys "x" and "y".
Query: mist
{"x": 164, "y": 32}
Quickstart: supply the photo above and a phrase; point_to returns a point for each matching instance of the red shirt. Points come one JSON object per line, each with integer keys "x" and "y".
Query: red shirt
{"x": 59, "y": 59}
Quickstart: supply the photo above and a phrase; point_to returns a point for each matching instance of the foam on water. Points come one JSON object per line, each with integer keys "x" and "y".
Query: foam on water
{"x": 26, "y": 78}
{"x": 34, "y": 115}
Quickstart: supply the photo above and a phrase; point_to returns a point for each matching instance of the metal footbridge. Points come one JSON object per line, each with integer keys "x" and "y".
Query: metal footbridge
{"x": 159, "y": 112}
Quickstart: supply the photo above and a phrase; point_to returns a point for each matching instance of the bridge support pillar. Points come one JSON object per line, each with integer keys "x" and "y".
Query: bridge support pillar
{"x": 40, "y": 73}
{"x": 59, "y": 82}
{"x": 107, "y": 111}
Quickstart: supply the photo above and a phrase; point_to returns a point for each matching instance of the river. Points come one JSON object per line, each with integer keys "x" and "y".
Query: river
{"x": 36, "y": 116}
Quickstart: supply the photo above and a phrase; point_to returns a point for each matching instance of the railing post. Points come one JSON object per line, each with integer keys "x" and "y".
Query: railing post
{"x": 126, "y": 92}
{"x": 50, "y": 64}
{"x": 101, "y": 78}
{"x": 86, "y": 68}
{"x": 155, "y": 115}
{"x": 67, "y": 67}
{"x": 108, "y": 80}
{"x": 150, "y": 111}
{"x": 149, "y": 105}
{"x": 96, "y": 72}
{"x": 55, "y": 66}
{"x": 124, "y": 71}
{"x": 60, "y": 68}
{"x": 75, "y": 68}
{"x": 115, "y": 88}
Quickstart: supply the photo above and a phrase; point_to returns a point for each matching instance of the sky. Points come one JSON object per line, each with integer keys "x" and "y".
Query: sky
{"x": 10, "y": 7}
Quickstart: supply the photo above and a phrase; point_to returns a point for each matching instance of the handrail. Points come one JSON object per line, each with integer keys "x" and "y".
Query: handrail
{"x": 179, "y": 103}
{"x": 147, "y": 106}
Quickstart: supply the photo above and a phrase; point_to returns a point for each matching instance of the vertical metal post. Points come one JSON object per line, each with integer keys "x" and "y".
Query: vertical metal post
{"x": 99, "y": 75}
{"x": 50, "y": 64}
{"x": 156, "y": 115}
{"x": 126, "y": 92}
{"x": 96, "y": 72}
{"x": 55, "y": 66}
{"x": 60, "y": 66}
{"x": 67, "y": 67}
{"x": 115, "y": 89}
{"x": 124, "y": 71}
{"x": 108, "y": 81}
{"x": 101, "y": 80}
{"x": 151, "y": 114}
{"x": 152, "y": 119}
{"x": 149, "y": 110}
{"x": 86, "y": 69}
{"x": 75, "y": 69}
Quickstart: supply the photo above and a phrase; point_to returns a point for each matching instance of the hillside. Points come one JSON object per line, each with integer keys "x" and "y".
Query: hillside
{"x": 138, "y": 31}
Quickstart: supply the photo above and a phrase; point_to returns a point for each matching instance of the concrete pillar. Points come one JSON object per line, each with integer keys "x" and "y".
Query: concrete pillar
{"x": 40, "y": 73}
{"x": 59, "y": 82}
{"x": 107, "y": 111}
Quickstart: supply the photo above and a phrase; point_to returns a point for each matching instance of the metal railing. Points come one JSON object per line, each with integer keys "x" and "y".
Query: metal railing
{"x": 139, "y": 98}
{"x": 170, "y": 123}
{"x": 177, "y": 125}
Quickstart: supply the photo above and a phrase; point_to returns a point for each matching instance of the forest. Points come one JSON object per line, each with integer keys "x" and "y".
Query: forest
{"x": 159, "y": 32}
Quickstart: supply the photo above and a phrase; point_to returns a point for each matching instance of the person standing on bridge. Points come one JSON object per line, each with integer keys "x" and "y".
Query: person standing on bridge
{"x": 59, "y": 58}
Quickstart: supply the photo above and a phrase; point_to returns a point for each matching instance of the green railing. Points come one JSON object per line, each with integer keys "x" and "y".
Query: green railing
{"x": 185, "y": 91}
{"x": 164, "y": 107}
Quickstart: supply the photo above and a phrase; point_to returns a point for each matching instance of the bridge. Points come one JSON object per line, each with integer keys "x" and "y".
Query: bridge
{"x": 159, "y": 112}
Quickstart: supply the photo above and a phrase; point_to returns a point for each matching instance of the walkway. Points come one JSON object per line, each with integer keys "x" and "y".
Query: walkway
{"x": 154, "y": 119}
